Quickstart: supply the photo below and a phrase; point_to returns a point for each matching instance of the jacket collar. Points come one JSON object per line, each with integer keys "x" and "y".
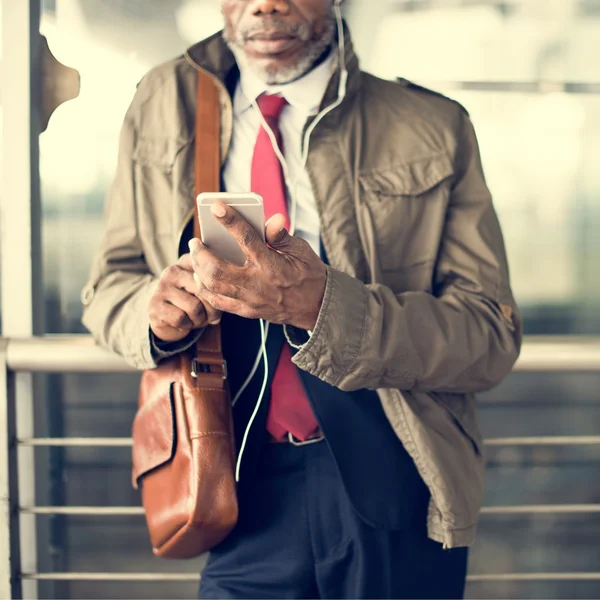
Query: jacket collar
{"x": 214, "y": 56}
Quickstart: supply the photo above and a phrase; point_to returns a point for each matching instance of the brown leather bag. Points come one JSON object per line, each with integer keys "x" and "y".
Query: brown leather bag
{"x": 183, "y": 440}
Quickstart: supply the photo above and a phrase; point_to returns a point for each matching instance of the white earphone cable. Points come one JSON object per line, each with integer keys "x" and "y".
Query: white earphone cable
{"x": 292, "y": 189}
{"x": 263, "y": 348}
{"x": 252, "y": 372}
{"x": 342, "y": 88}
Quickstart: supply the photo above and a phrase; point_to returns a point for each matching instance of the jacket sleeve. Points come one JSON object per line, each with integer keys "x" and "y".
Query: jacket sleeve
{"x": 116, "y": 297}
{"x": 464, "y": 337}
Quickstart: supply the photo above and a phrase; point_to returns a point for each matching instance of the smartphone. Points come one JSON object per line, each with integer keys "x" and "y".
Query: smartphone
{"x": 215, "y": 236}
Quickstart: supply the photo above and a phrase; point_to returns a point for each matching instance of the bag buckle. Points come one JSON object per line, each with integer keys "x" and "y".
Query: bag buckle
{"x": 292, "y": 439}
{"x": 199, "y": 368}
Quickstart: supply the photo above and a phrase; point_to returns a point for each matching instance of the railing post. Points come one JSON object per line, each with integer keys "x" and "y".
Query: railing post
{"x": 21, "y": 255}
{"x": 10, "y": 551}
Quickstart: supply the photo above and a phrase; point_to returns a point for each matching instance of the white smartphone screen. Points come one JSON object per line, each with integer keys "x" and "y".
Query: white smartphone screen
{"x": 215, "y": 236}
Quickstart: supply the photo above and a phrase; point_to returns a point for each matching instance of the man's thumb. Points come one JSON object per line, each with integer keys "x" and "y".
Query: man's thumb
{"x": 275, "y": 232}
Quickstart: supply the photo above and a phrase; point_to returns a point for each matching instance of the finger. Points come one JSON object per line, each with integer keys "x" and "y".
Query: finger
{"x": 232, "y": 306}
{"x": 213, "y": 316}
{"x": 188, "y": 296}
{"x": 244, "y": 234}
{"x": 214, "y": 274}
{"x": 187, "y": 281}
{"x": 279, "y": 238}
{"x": 177, "y": 286}
{"x": 173, "y": 317}
{"x": 179, "y": 276}
{"x": 191, "y": 283}
{"x": 204, "y": 260}
{"x": 275, "y": 229}
{"x": 185, "y": 262}
{"x": 190, "y": 304}
{"x": 213, "y": 282}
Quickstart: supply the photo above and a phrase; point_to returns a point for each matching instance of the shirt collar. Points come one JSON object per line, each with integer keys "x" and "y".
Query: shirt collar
{"x": 304, "y": 94}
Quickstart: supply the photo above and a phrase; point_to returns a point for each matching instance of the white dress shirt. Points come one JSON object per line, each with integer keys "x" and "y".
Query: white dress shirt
{"x": 304, "y": 98}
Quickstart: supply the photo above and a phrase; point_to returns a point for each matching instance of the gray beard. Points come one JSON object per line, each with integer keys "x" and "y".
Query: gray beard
{"x": 280, "y": 76}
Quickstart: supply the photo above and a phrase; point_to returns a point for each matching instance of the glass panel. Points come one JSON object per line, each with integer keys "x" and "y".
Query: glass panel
{"x": 524, "y": 40}
{"x": 112, "y": 44}
{"x": 537, "y": 147}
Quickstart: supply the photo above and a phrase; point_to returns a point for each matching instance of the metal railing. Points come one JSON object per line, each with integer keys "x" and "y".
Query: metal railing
{"x": 79, "y": 354}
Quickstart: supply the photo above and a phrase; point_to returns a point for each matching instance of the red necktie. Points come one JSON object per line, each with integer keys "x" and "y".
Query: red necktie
{"x": 290, "y": 410}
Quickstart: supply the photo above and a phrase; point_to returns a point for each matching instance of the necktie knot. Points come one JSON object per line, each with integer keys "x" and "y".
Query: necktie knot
{"x": 271, "y": 106}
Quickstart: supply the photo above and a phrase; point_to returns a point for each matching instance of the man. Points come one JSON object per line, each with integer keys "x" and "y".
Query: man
{"x": 384, "y": 283}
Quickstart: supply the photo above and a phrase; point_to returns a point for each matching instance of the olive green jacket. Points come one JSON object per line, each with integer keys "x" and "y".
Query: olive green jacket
{"x": 418, "y": 304}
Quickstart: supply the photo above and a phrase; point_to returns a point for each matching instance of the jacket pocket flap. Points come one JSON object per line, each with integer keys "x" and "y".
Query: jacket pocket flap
{"x": 456, "y": 405}
{"x": 154, "y": 435}
{"x": 158, "y": 152}
{"x": 410, "y": 179}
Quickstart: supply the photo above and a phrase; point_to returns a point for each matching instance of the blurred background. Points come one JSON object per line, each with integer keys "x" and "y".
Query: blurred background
{"x": 528, "y": 71}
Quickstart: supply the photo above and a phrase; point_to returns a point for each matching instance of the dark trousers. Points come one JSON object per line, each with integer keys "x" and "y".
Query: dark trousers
{"x": 299, "y": 537}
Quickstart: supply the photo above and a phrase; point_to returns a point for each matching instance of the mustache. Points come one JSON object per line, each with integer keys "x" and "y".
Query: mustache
{"x": 273, "y": 26}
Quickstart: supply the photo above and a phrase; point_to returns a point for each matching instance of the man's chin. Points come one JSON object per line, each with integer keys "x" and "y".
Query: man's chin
{"x": 275, "y": 71}
{"x": 279, "y": 70}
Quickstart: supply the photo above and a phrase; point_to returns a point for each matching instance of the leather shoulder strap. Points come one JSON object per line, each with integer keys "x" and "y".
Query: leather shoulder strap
{"x": 208, "y": 139}
{"x": 207, "y": 171}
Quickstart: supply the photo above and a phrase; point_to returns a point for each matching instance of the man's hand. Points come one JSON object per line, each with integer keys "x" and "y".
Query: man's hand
{"x": 283, "y": 283}
{"x": 175, "y": 308}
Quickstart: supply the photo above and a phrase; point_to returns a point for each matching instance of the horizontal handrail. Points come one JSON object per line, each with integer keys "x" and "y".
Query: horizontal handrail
{"x": 120, "y": 511}
{"x": 195, "y": 577}
{"x": 565, "y": 440}
{"x": 77, "y": 442}
{"x": 88, "y": 511}
{"x": 542, "y": 509}
{"x": 571, "y": 440}
{"x": 79, "y": 354}
{"x": 74, "y": 576}
{"x": 535, "y": 577}
{"x": 62, "y": 354}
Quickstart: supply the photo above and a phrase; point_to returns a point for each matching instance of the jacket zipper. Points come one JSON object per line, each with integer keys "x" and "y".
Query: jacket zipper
{"x": 228, "y": 131}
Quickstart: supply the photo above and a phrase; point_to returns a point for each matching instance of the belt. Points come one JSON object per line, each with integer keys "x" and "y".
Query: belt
{"x": 314, "y": 438}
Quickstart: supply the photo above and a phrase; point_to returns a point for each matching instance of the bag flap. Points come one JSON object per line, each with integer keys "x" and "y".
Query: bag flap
{"x": 154, "y": 434}
{"x": 410, "y": 179}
